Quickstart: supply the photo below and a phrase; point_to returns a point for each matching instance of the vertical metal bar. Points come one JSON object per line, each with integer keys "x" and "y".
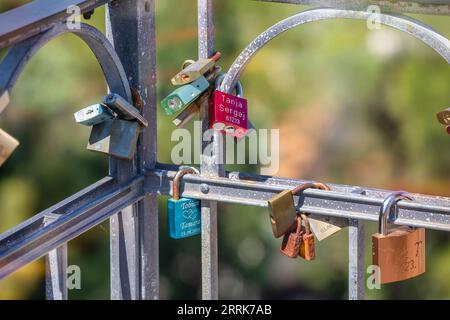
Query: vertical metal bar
{"x": 145, "y": 83}
{"x": 56, "y": 274}
{"x": 209, "y": 164}
{"x": 134, "y": 231}
{"x": 356, "y": 275}
{"x": 56, "y": 271}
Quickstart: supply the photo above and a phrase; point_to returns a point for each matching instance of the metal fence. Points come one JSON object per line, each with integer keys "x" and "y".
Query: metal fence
{"x": 128, "y": 195}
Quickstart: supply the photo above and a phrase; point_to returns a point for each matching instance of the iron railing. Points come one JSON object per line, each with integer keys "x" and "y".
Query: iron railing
{"x": 128, "y": 195}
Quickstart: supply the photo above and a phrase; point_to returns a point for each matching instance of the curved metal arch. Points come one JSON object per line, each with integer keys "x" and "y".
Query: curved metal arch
{"x": 18, "y": 56}
{"x": 403, "y": 23}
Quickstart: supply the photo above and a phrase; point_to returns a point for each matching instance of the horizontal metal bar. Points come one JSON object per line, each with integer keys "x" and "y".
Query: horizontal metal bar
{"x": 73, "y": 216}
{"x": 425, "y": 211}
{"x": 39, "y": 15}
{"x": 439, "y": 7}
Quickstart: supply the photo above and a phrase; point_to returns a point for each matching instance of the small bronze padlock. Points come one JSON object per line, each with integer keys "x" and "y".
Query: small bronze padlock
{"x": 7, "y": 146}
{"x": 400, "y": 253}
{"x": 444, "y": 117}
{"x": 307, "y": 248}
{"x": 292, "y": 239}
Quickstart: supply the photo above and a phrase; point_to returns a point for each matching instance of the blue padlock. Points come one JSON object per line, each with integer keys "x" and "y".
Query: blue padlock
{"x": 184, "y": 214}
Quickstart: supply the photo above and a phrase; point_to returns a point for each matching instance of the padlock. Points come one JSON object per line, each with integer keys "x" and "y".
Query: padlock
{"x": 93, "y": 115}
{"x": 185, "y": 95}
{"x": 188, "y": 113}
{"x": 118, "y": 136}
{"x": 444, "y": 117}
{"x": 399, "y": 253}
{"x": 193, "y": 70}
{"x": 282, "y": 212}
{"x": 124, "y": 109}
{"x": 4, "y": 99}
{"x": 228, "y": 113}
{"x": 290, "y": 246}
{"x": 307, "y": 248}
{"x": 115, "y": 137}
{"x": 7, "y": 146}
{"x": 184, "y": 216}
{"x": 322, "y": 227}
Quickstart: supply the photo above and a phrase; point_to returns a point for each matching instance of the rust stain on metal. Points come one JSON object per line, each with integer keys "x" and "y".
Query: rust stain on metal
{"x": 137, "y": 100}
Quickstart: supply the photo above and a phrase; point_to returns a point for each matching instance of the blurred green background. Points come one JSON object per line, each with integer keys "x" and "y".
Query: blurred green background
{"x": 353, "y": 106}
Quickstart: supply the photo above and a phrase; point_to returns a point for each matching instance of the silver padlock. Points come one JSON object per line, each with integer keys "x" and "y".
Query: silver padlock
{"x": 93, "y": 115}
{"x": 115, "y": 137}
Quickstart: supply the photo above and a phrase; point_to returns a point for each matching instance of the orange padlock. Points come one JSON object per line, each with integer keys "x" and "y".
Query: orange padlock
{"x": 399, "y": 253}
{"x": 307, "y": 248}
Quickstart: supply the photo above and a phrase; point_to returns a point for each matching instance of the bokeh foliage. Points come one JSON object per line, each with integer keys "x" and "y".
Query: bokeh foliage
{"x": 353, "y": 106}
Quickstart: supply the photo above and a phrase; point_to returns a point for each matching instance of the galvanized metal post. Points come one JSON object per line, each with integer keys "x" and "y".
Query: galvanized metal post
{"x": 356, "y": 275}
{"x": 56, "y": 274}
{"x": 210, "y": 164}
{"x": 134, "y": 231}
{"x": 56, "y": 270}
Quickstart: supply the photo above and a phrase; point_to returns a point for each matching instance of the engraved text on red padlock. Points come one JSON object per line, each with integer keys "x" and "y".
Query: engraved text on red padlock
{"x": 228, "y": 113}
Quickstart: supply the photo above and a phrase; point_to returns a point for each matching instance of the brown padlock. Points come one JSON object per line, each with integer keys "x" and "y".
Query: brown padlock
{"x": 399, "y": 253}
{"x": 292, "y": 239}
{"x": 322, "y": 227}
{"x": 7, "y": 146}
{"x": 307, "y": 248}
{"x": 282, "y": 212}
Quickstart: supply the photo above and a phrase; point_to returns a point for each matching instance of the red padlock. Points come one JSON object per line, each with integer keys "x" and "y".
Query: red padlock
{"x": 228, "y": 113}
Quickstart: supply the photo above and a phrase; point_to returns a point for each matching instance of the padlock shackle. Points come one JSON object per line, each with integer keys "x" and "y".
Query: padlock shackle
{"x": 177, "y": 179}
{"x": 238, "y": 87}
{"x": 310, "y": 185}
{"x": 390, "y": 208}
